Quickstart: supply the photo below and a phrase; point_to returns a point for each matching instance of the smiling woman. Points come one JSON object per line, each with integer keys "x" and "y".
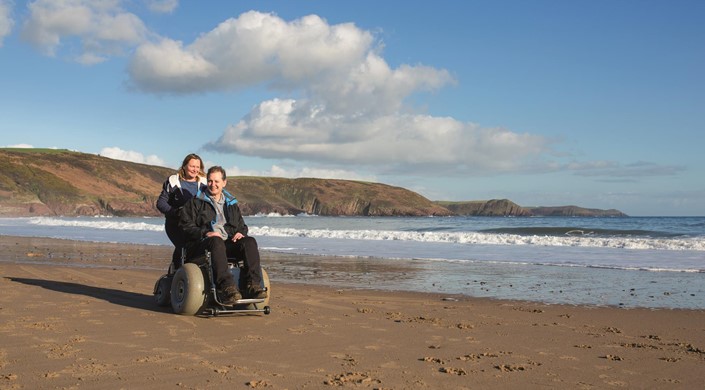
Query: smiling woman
{"x": 177, "y": 190}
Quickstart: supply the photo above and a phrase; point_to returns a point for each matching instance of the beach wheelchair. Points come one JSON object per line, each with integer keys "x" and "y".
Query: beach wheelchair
{"x": 190, "y": 288}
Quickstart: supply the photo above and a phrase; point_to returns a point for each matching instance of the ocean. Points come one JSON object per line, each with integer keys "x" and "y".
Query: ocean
{"x": 653, "y": 262}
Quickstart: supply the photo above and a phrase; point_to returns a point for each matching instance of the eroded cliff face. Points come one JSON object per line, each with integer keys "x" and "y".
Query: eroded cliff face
{"x": 338, "y": 197}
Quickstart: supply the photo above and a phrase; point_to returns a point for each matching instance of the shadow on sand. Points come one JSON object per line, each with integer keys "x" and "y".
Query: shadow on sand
{"x": 118, "y": 297}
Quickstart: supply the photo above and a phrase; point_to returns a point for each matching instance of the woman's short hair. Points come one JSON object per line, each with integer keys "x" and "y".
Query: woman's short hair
{"x": 217, "y": 168}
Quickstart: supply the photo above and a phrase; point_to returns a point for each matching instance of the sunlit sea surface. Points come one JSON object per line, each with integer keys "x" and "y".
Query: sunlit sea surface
{"x": 656, "y": 262}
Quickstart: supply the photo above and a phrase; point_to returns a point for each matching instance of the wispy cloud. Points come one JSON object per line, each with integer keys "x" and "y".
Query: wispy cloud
{"x": 6, "y": 20}
{"x": 163, "y": 6}
{"x": 20, "y": 146}
{"x": 322, "y": 173}
{"x": 612, "y": 170}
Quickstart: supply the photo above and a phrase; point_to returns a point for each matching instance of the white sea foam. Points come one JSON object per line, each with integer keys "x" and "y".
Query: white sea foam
{"x": 271, "y": 215}
{"x": 106, "y": 223}
{"x": 693, "y": 244}
{"x": 470, "y": 238}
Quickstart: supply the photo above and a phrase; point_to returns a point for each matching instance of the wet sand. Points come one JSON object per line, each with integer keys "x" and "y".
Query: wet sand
{"x": 81, "y": 315}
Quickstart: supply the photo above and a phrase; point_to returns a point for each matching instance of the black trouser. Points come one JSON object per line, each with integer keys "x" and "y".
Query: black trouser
{"x": 176, "y": 236}
{"x": 243, "y": 249}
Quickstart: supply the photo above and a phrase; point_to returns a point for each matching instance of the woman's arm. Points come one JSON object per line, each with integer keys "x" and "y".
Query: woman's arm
{"x": 163, "y": 201}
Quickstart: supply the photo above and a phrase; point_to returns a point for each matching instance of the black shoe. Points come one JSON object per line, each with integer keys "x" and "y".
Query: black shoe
{"x": 255, "y": 292}
{"x": 229, "y": 295}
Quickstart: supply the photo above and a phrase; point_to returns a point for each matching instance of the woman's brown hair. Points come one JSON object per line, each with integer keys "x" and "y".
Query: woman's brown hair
{"x": 184, "y": 165}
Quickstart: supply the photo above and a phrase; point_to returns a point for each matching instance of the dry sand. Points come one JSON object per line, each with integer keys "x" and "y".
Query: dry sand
{"x": 67, "y": 326}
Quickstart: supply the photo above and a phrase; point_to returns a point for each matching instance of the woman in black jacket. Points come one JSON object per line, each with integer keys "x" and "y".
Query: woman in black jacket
{"x": 178, "y": 189}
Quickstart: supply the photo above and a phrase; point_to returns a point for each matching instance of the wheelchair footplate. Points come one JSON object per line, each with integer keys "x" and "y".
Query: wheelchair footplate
{"x": 241, "y": 306}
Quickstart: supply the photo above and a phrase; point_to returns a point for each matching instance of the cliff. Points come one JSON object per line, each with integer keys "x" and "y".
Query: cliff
{"x": 329, "y": 197}
{"x": 62, "y": 182}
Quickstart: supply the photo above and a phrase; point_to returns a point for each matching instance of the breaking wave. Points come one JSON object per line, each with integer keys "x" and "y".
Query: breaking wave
{"x": 532, "y": 236}
{"x": 582, "y": 240}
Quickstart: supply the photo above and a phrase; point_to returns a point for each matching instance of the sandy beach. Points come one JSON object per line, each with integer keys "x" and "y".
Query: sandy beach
{"x": 81, "y": 315}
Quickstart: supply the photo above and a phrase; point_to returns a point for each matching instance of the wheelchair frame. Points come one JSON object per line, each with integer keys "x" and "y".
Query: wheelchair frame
{"x": 205, "y": 297}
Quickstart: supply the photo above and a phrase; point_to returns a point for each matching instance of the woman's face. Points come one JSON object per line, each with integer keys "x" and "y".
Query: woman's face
{"x": 192, "y": 169}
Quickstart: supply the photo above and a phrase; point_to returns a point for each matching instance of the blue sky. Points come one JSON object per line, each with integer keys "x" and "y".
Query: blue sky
{"x": 599, "y": 104}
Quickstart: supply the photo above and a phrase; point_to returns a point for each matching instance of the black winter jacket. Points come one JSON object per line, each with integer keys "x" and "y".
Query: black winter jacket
{"x": 173, "y": 197}
{"x": 198, "y": 216}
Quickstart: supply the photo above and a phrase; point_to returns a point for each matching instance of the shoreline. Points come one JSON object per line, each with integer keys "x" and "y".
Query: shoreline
{"x": 586, "y": 286}
{"x": 63, "y": 326}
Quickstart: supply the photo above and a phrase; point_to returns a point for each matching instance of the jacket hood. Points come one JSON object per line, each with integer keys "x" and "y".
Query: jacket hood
{"x": 175, "y": 182}
{"x": 204, "y": 196}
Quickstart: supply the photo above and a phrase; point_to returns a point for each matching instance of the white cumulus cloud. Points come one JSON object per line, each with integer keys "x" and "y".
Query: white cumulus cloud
{"x": 101, "y": 28}
{"x": 354, "y": 109}
{"x": 393, "y": 142}
{"x": 251, "y": 49}
{"x": 351, "y": 106}
{"x": 132, "y": 156}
